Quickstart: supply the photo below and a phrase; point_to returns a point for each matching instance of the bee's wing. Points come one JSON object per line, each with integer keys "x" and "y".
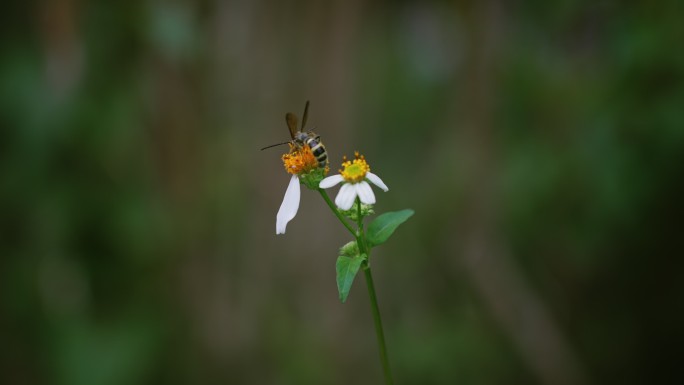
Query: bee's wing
{"x": 306, "y": 114}
{"x": 291, "y": 120}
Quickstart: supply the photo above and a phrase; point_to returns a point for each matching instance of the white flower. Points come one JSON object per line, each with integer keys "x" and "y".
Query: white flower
{"x": 356, "y": 174}
{"x": 288, "y": 209}
{"x": 299, "y": 161}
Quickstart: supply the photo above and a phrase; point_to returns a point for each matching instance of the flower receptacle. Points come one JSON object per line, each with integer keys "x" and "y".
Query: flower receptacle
{"x": 353, "y": 212}
{"x": 313, "y": 178}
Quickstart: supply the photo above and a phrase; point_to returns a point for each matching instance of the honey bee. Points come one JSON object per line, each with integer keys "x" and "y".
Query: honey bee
{"x": 300, "y": 138}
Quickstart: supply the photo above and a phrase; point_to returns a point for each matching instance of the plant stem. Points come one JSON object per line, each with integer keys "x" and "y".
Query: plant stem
{"x": 360, "y": 237}
{"x": 375, "y": 309}
{"x": 378, "y": 324}
{"x": 336, "y": 211}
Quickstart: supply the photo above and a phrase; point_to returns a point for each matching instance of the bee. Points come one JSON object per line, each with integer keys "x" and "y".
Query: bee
{"x": 300, "y": 138}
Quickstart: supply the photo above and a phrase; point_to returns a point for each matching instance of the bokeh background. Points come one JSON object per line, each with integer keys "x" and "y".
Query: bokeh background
{"x": 541, "y": 145}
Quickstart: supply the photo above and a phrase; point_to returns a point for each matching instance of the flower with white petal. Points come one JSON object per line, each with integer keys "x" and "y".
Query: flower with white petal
{"x": 356, "y": 175}
{"x": 301, "y": 163}
{"x": 288, "y": 209}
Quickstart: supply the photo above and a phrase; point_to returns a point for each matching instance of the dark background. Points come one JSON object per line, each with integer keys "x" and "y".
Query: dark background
{"x": 541, "y": 145}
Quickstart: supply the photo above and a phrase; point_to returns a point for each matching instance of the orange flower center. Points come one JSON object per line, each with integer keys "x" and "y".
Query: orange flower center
{"x": 299, "y": 160}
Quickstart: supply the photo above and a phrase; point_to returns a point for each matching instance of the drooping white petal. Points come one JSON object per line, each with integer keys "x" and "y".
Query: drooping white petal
{"x": 376, "y": 181}
{"x": 288, "y": 209}
{"x": 365, "y": 192}
{"x": 346, "y": 196}
{"x": 331, "y": 181}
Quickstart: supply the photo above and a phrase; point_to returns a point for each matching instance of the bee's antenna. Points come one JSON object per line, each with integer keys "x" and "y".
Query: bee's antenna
{"x": 306, "y": 114}
{"x": 273, "y": 145}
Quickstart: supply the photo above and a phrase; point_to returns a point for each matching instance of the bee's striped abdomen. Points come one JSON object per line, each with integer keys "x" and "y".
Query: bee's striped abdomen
{"x": 318, "y": 151}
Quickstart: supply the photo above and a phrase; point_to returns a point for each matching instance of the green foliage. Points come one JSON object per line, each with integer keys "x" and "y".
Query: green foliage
{"x": 350, "y": 249}
{"x": 346, "y": 268}
{"x": 384, "y": 225}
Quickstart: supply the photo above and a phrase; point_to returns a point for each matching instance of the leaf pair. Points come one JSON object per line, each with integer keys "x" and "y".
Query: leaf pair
{"x": 379, "y": 230}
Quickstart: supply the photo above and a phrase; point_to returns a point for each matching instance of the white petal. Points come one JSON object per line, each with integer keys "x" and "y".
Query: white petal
{"x": 376, "y": 181}
{"x": 365, "y": 192}
{"x": 345, "y": 198}
{"x": 331, "y": 181}
{"x": 290, "y": 205}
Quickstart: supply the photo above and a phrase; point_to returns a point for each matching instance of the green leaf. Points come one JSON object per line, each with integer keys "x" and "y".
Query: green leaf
{"x": 347, "y": 268}
{"x": 384, "y": 225}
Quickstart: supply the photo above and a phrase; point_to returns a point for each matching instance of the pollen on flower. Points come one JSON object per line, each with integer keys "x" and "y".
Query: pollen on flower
{"x": 354, "y": 171}
{"x": 299, "y": 160}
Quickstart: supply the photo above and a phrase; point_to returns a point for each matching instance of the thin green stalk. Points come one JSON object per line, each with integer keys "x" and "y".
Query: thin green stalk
{"x": 378, "y": 325}
{"x": 336, "y": 211}
{"x": 375, "y": 309}
{"x": 360, "y": 237}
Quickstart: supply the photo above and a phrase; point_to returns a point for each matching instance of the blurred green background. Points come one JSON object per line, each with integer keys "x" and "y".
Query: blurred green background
{"x": 541, "y": 145}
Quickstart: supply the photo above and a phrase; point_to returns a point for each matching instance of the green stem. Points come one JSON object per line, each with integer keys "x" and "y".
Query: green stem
{"x": 336, "y": 211}
{"x": 375, "y": 309}
{"x": 378, "y": 325}
{"x": 360, "y": 237}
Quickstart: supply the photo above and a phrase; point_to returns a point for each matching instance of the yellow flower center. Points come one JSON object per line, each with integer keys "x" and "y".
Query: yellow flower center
{"x": 299, "y": 160}
{"x": 354, "y": 171}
